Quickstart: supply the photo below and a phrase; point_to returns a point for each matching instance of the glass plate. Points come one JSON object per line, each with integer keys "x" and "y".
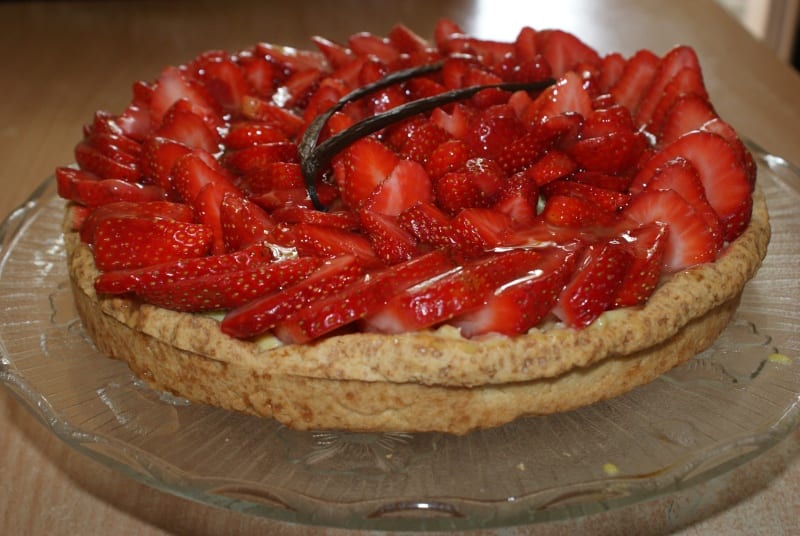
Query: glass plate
{"x": 717, "y": 411}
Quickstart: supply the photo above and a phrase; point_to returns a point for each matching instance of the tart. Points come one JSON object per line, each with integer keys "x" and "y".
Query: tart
{"x": 410, "y": 235}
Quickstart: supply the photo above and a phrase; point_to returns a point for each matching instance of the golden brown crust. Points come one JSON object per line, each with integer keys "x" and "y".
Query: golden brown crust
{"x": 433, "y": 380}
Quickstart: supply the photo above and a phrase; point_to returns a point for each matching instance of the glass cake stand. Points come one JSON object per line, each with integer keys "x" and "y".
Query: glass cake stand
{"x": 701, "y": 420}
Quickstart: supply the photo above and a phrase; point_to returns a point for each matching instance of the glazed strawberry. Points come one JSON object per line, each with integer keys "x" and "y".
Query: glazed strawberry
{"x": 407, "y": 184}
{"x": 448, "y": 156}
{"x": 244, "y": 135}
{"x": 593, "y": 287}
{"x": 359, "y": 299}
{"x": 688, "y": 81}
{"x": 689, "y": 239}
{"x": 647, "y": 245}
{"x": 428, "y": 224}
{"x": 518, "y": 198}
{"x": 88, "y": 189}
{"x": 573, "y": 211}
{"x": 160, "y": 275}
{"x": 564, "y": 52}
{"x": 269, "y": 113}
{"x": 635, "y": 80}
{"x": 391, "y": 243}
{"x": 183, "y": 125}
{"x": 322, "y": 241}
{"x": 456, "y": 191}
{"x": 552, "y": 165}
{"x": 229, "y": 289}
{"x": 159, "y": 155}
{"x": 676, "y": 60}
{"x": 416, "y": 139}
{"x": 224, "y": 80}
{"x": 455, "y": 292}
{"x": 126, "y": 209}
{"x": 256, "y": 157}
{"x": 567, "y": 96}
{"x": 522, "y": 303}
{"x": 262, "y": 314}
{"x": 725, "y": 182}
{"x": 604, "y": 199}
{"x": 477, "y": 230}
{"x": 242, "y": 222}
{"x": 91, "y": 159}
{"x": 172, "y": 85}
{"x": 125, "y": 242}
{"x": 612, "y": 153}
{"x": 688, "y": 113}
{"x": 341, "y": 219}
{"x": 361, "y": 168}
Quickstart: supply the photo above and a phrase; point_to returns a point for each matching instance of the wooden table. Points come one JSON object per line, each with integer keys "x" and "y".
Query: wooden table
{"x": 59, "y": 61}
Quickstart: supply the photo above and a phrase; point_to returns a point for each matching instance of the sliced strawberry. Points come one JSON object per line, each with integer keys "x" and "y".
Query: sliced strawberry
{"x": 226, "y": 83}
{"x": 243, "y": 223}
{"x": 160, "y": 275}
{"x": 242, "y": 135}
{"x": 611, "y": 67}
{"x": 724, "y": 179}
{"x": 686, "y": 82}
{"x": 92, "y": 159}
{"x": 389, "y": 240}
{"x": 647, "y": 245}
{"x": 172, "y": 85}
{"x": 407, "y": 184}
{"x": 612, "y": 153}
{"x": 259, "y": 73}
{"x": 341, "y": 219}
{"x": 689, "y": 241}
{"x": 191, "y": 173}
{"x": 274, "y": 176}
{"x": 280, "y": 197}
{"x": 604, "y": 199}
{"x": 450, "y": 155}
{"x": 680, "y": 57}
{"x": 522, "y": 151}
{"x": 337, "y": 55}
{"x": 368, "y": 44}
{"x": 181, "y": 124}
{"x": 321, "y": 241}
{"x": 595, "y": 283}
{"x": 125, "y": 242}
{"x": 415, "y": 139}
{"x": 87, "y": 189}
{"x": 492, "y": 130}
{"x": 428, "y": 224}
{"x": 688, "y": 113}
{"x": 361, "y": 168}
{"x": 477, "y": 230}
{"x": 255, "y": 157}
{"x": 553, "y": 165}
{"x": 230, "y": 289}
{"x": 158, "y": 157}
{"x": 358, "y": 300}
{"x": 118, "y": 147}
{"x": 262, "y": 314}
{"x": 567, "y": 95}
{"x": 565, "y": 52}
{"x": 616, "y": 183}
{"x": 572, "y": 211}
{"x": 603, "y": 121}
{"x": 519, "y": 305}
{"x": 456, "y": 292}
{"x": 635, "y": 80}
{"x": 456, "y": 191}
{"x": 122, "y": 209}
{"x": 455, "y": 123}
{"x": 266, "y": 112}
{"x": 518, "y": 198}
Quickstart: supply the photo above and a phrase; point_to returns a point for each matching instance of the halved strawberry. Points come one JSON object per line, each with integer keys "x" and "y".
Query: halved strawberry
{"x": 565, "y": 52}
{"x": 595, "y": 283}
{"x": 342, "y": 219}
{"x": 552, "y": 165}
{"x": 246, "y": 134}
{"x": 183, "y": 125}
{"x": 456, "y": 191}
{"x": 613, "y": 153}
{"x": 337, "y": 55}
{"x": 647, "y": 245}
{"x": 680, "y": 57}
{"x": 87, "y": 189}
{"x": 566, "y": 96}
{"x": 635, "y": 80}
{"x": 269, "y": 113}
{"x": 172, "y": 85}
{"x": 689, "y": 241}
{"x": 158, "y": 157}
{"x": 192, "y": 172}
{"x": 359, "y": 299}
{"x": 611, "y": 67}
{"x": 361, "y": 168}
{"x": 255, "y": 157}
{"x": 243, "y": 223}
{"x": 572, "y": 211}
{"x": 389, "y": 240}
{"x": 687, "y": 82}
{"x": 428, "y": 224}
{"x": 225, "y": 81}
{"x": 455, "y": 292}
{"x": 92, "y": 159}
{"x": 321, "y": 241}
{"x": 724, "y": 179}
{"x": 604, "y": 199}
{"x": 230, "y": 289}
{"x": 491, "y": 130}
{"x": 450, "y": 155}
{"x": 262, "y": 314}
{"x": 477, "y": 230}
{"x": 159, "y": 275}
{"x": 407, "y": 184}
{"x": 121, "y": 209}
{"x": 519, "y": 305}
{"x": 370, "y": 45}
{"x": 518, "y": 198}
{"x": 125, "y": 242}
{"x": 416, "y": 138}
{"x": 688, "y": 113}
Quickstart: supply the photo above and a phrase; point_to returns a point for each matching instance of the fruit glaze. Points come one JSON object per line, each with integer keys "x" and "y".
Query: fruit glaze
{"x": 395, "y": 184}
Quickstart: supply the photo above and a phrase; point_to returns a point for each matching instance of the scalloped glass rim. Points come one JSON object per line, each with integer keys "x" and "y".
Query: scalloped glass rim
{"x": 721, "y": 409}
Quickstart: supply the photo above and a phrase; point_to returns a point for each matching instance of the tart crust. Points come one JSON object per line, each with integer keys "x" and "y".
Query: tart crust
{"x": 422, "y": 381}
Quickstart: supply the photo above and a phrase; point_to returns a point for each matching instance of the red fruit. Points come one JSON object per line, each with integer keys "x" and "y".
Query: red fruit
{"x": 416, "y": 139}
{"x": 572, "y": 211}
{"x": 450, "y": 155}
{"x": 321, "y": 241}
{"x": 181, "y": 124}
{"x": 244, "y": 135}
{"x": 522, "y": 303}
{"x": 612, "y": 153}
{"x": 160, "y": 275}
{"x": 268, "y": 113}
{"x": 616, "y": 183}
{"x": 688, "y": 113}
{"x": 359, "y": 299}
{"x": 455, "y": 123}
{"x": 477, "y": 230}
{"x": 172, "y": 85}
{"x": 455, "y": 292}
{"x": 636, "y": 78}
{"x": 191, "y": 173}
{"x": 340, "y": 219}
{"x": 677, "y": 59}
{"x": 127, "y": 209}
{"x": 225, "y": 81}
{"x": 91, "y": 159}
{"x": 337, "y": 55}
{"x": 407, "y": 184}
{"x": 553, "y": 165}
{"x": 689, "y": 241}
{"x": 243, "y": 223}
{"x": 158, "y": 157}
{"x": 518, "y": 198}
{"x": 609, "y": 120}
{"x": 565, "y": 52}
{"x": 568, "y": 95}
{"x": 230, "y": 289}
{"x": 594, "y": 285}
{"x": 724, "y": 179}
{"x": 255, "y": 157}
{"x": 406, "y": 41}
{"x": 686, "y": 82}
{"x": 391, "y": 243}
{"x": 522, "y": 151}
{"x": 87, "y": 189}
{"x": 456, "y": 191}
{"x": 647, "y": 245}
{"x": 427, "y": 224}
{"x": 611, "y": 68}
{"x": 126, "y": 242}
{"x": 361, "y": 168}
{"x": 262, "y": 314}
{"x": 118, "y": 147}
{"x": 370, "y": 45}
{"x": 604, "y": 199}
{"x": 492, "y": 130}
{"x": 278, "y": 198}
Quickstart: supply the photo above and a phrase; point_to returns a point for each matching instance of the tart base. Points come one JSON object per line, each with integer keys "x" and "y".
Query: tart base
{"x": 367, "y": 382}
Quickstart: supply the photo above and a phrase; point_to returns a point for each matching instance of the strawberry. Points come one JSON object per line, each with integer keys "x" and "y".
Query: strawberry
{"x": 242, "y": 135}
{"x": 493, "y": 129}
{"x": 687, "y": 82}
{"x": 269, "y": 113}
{"x": 612, "y": 153}
{"x": 565, "y": 52}
{"x": 455, "y": 122}
{"x": 370, "y": 45}
{"x": 391, "y": 243}
{"x": 553, "y": 165}
{"x": 229, "y": 289}
{"x": 647, "y": 245}
{"x": 406, "y": 41}
{"x": 688, "y": 113}
{"x": 225, "y": 81}
{"x": 456, "y": 191}
{"x": 158, "y": 157}
{"x": 611, "y": 67}
{"x": 603, "y": 121}
{"x": 173, "y": 85}
{"x": 259, "y": 73}
{"x": 359, "y": 299}
{"x": 415, "y": 139}
{"x": 342, "y": 219}
{"x": 689, "y": 240}
{"x": 616, "y": 183}
{"x": 181, "y": 124}
{"x": 117, "y": 147}
{"x": 724, "y": 179}
{"x": 453, "y": 293}
{"x": 603, "y": 198}
{"x": 160, "y": 275}
{"x": 519, "y": 305}
{"x": 129, "y": 242}
{"x": 407, "y": 184}
{"x": 450, "y": 155}
{"x": 361, "y": 168}
{"x": 242, "y": 222}
{"x": 572, "y": 211}
{"x": 127, "y": 209}
{"x": 522, "y": 151}
{"x": 566, "y": 96}
{"x": 635, "y": 79}
{"x": 274, "y": 176}
{"x": 476, "y": 230}
{"x": 262, "y": 314}
{"x": 518, "y": 198}
{"x": 259, "y": 156}
{"x": 321, "y": 241}
{"x": 91, "y": 159}
{"x": 87, "y": 189}
{"x": 595, "y": 283}
{"x": 279, "y": 197}
{"x": 428, "y": 224}
{"x": 677, "y": 59}
{"x": 337, "y": 55}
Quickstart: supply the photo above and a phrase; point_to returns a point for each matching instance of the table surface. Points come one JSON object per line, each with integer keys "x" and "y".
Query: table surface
{"x": 63, "y": 60}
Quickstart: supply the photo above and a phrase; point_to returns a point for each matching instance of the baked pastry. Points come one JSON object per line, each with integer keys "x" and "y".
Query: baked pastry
{"x": 404, "y": 235}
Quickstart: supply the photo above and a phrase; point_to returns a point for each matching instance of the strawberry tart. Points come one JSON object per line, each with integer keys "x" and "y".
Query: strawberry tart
{"x": 403, "y": 234}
